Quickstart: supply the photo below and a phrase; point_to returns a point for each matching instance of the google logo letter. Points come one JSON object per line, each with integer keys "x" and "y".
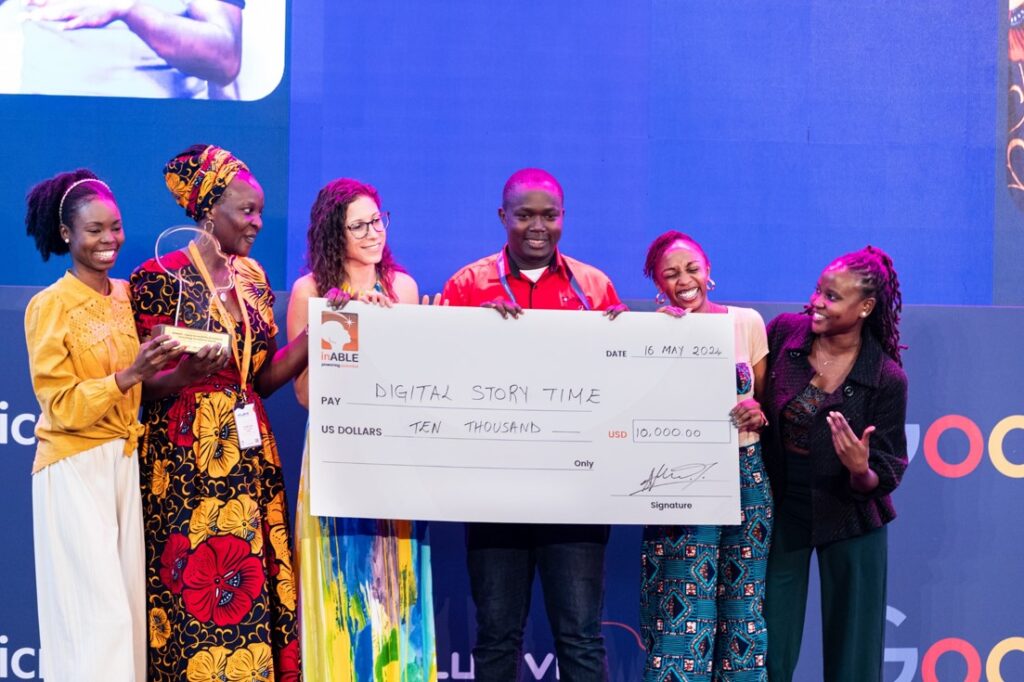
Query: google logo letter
{"x": 907, "y": 657}
{"x": 976, "y": 446}
{"x": 971, "y": 657}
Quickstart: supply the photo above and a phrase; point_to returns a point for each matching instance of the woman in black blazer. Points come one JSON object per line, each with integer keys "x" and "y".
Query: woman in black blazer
{"x": 836, "y": 450}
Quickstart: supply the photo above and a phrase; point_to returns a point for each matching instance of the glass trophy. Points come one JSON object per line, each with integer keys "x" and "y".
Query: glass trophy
{"x": 194, "y": 258}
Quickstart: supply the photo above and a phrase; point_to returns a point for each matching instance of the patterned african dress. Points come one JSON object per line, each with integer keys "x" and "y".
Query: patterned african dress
{"x": 702, "y": 587}
{"x": 366, "y": 594}
{"x": 220, "y": 590}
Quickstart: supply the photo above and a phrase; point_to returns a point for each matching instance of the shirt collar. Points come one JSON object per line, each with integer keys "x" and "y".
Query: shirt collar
{"x": 83, "y": 292}
{"x": 557, "y": 263}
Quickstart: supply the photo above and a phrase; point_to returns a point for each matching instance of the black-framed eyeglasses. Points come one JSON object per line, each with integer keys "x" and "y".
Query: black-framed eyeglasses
{"x": 362, "y": 230}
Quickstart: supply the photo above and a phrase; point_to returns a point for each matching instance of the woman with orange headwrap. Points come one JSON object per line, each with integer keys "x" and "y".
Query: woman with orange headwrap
{"x": 220, "y": 588}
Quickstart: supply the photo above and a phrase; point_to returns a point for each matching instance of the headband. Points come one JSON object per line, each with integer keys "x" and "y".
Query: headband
{"x": 76, "y": 183}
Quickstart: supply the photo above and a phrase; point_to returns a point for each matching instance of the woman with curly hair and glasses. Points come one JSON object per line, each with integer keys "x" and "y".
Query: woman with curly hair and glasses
{"x": 836, "y": 401}
{"x": 220, "y": 577}
{"x": 365, "y": 588}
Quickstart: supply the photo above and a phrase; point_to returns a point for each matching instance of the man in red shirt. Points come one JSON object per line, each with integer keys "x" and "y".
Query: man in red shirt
{"x": 530, "y": 272}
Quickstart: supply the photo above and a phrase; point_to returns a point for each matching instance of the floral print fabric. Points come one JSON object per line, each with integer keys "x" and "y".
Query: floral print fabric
{"x": 221, "y": 592}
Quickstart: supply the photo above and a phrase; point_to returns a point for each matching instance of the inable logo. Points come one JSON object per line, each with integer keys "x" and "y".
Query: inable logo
{"x": 339, "y": 331}
{"x": 339, "y": 339}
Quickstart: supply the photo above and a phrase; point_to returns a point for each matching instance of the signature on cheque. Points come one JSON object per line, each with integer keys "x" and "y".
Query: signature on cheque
{"x": 680, "y": 477}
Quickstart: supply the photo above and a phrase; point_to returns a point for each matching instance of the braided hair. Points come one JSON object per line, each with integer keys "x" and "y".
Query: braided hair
{"x": 878, "y": 279}
{"x": 327, "y": 238}
{"x": 50, "y": 205}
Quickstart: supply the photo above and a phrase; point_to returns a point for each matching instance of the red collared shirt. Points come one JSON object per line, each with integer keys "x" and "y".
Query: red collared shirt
{"x": 480, "y": 282}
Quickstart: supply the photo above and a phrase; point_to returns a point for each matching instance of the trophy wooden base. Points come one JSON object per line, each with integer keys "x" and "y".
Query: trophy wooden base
{"x": 192, "y": 339}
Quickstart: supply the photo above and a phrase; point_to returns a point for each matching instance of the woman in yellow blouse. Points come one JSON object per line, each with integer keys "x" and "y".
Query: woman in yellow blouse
{"x": 87, "y": 368}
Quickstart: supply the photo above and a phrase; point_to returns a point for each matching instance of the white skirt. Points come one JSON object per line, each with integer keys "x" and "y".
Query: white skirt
{"x": 90, "y": 567}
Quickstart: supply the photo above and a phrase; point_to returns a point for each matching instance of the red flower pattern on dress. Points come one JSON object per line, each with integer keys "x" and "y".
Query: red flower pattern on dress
{"x": 288, "y": 663}
{"x": 179, "y": 421}
{"x": 173, "y": 561}
{"x": 144, "y": 323}
{"x": 222, "y": 578}
{"x": 179, "y": 639}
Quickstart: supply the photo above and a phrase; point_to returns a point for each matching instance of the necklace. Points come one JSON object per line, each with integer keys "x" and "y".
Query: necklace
{"x": 822, "y": 364}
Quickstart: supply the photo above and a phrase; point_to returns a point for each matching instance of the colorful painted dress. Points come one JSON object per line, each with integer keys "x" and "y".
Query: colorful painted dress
{"x": 221, "y": 595}
{"x": 367, "y": 606}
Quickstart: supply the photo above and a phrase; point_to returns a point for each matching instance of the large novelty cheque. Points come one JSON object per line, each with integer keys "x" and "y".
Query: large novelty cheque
{"x": 455, "y": 414}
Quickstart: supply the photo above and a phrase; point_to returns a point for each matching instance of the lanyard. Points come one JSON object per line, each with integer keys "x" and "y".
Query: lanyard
{"x": 243, "y": 362}
{"x": 573, "y": 284}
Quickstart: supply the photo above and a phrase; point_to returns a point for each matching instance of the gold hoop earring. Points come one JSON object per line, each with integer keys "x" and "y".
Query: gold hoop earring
{"x": 711, "y": 284}
{"x": 208, "y": 225}
{"x": 660, "y": 298}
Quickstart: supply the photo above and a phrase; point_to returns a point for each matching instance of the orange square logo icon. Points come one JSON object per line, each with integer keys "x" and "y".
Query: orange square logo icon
{"x": 339, "y": 332}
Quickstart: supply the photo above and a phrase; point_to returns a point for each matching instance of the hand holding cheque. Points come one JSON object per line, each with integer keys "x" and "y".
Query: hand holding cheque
{"x": 558, "y": 417}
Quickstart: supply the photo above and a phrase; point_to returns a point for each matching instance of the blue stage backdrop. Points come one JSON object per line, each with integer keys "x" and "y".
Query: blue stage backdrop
{"x": 955, "y": 595}
{"x": 779, "y": 134}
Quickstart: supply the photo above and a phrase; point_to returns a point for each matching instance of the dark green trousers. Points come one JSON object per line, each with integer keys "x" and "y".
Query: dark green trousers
{"x": 853, "y": 577}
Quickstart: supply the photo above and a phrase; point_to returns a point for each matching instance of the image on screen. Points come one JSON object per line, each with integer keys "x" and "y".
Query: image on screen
{"x": 184, "y": 49}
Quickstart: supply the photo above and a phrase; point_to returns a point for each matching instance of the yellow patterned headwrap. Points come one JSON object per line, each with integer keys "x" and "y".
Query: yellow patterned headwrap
{"x": 198, "y": 177}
